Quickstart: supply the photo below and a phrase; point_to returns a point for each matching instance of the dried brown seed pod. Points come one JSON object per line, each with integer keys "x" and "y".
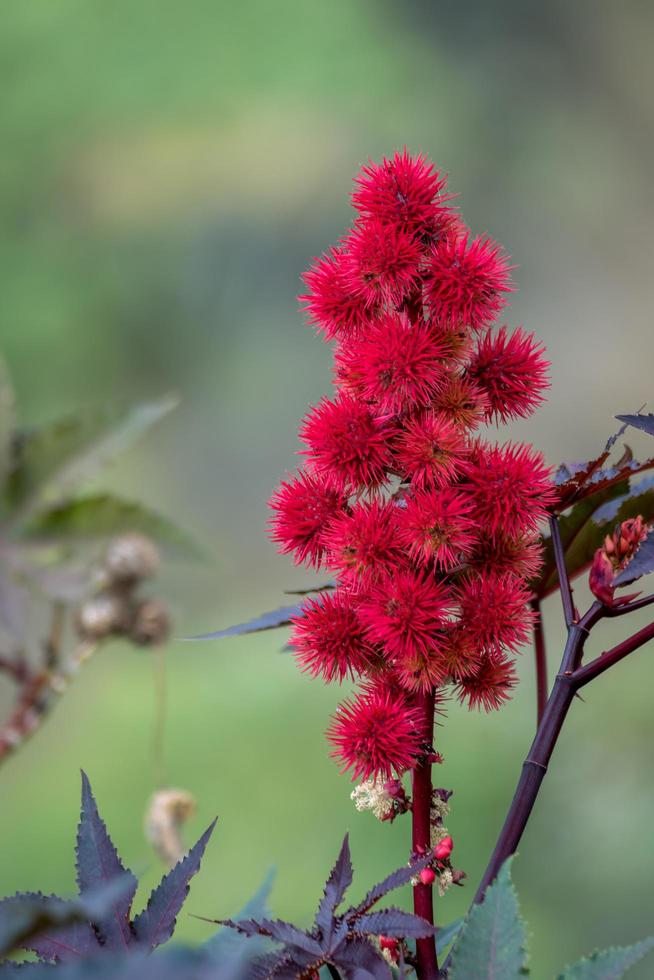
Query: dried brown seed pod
{"x": 101, "y": 616}
{"x": 150, "y": 624}
{"x": 129, "y": 558}
{"x": 167, "y": 811}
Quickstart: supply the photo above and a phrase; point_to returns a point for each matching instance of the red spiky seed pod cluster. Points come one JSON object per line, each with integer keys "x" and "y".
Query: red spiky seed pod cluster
{"x": 430, "y": 529}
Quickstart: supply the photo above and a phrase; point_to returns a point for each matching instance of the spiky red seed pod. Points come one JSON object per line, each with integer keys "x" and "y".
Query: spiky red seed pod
{"x": 511, "y": 487}
{"x": 427, "y": 876}
{"x": 512, "y": 370}
{"x": 331, "y": 305}
{"x": 466, "y": 281}
{"x": 377, "y": 733}
{"x": 304, "y": 506}
{"x": 405, "y": 192}
{"x": 522, "y": 555}
{"x": 494, "y": 610}
{"x": 363, "y": 543}
{"x": 443, "y": 849}
{"x": 382, "y": 264}
{"x": 490, "y": 687}
{"x": 435, "y": 526}
{"x": 462, "y": 401}
{"x": 397, "y": 364}
{"x": 421, "y": 670}
{"x": 430, "y": 450}
{"x": 405, "y": 612}
{"x": 459, "y": 654}
{"x": 328, "y": 639}
{"x": 347, "y": 442}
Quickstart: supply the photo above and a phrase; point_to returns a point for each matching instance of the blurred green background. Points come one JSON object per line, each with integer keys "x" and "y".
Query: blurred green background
{"x": 167, "y": 172}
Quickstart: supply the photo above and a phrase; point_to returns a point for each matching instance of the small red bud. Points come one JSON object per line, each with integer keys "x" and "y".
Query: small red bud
{"x": 392, "y": 945}
{"x": 427, "y": 876}
{"x": 394, "y": 788}
{"x": 443, "y": 849}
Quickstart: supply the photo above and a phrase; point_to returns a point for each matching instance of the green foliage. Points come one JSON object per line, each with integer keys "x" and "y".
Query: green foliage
{"x": 609, "y": 964}
{"x": 49, "y": 463}
{"x": 447, "y": 934}
{"x": 493, "y": 941}
{"x": 103, "y": 515}
{"x": 492, "y": 944}
{"x": 46, "y": 523}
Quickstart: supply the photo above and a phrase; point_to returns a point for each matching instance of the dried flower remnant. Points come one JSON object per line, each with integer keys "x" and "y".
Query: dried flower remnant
{"x": 385, "y": 798}
{"x": 167, "y": 812}
{"x": 430, "y": 530}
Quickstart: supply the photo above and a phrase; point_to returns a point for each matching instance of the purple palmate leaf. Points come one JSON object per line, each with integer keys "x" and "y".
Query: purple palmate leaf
{"x": 394, "y": 923}
{"x": 267, "y": 621}
{"x": 339, "y": 881}
{"x": 395, "y": 880}
{"x": 50, "y": 926}
{"x": 358, "y": 959}
{"x": 279, "y": 931}
{"x": 638, "y": 421}
{"x": 641, "y": 564}
{"x": 156, "y": 923}
{"x": 98, "y": 864}
{"x": 65, "y": 944}
{"x": 280, "y": 966}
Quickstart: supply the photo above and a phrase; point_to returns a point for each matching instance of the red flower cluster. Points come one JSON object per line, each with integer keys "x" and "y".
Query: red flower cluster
{"x": 430, "y": 529}
{"x": 615, "y": 555}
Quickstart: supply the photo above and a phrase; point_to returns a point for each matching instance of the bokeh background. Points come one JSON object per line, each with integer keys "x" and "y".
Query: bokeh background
{"x": 167, "y": 172}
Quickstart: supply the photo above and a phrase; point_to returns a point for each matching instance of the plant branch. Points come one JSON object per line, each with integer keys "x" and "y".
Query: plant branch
{"x": 614, "y": 611}
{"x": 54, "y": 639}
{"x": 39, "y": 690}
{"x": 17, "y": 668}
{"x": 569, "y": 680}
{"x": 333, "y": 972}
{"x": 538, "y": 757}
{"x": 540, "y": 655}
{"x": 423, "y": 901}
{"x": 583, "y": 675}
{"x": 562, "y": 572}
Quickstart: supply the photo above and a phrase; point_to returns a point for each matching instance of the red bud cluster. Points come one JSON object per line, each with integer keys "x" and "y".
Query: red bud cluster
{"x": 614, "y": 556}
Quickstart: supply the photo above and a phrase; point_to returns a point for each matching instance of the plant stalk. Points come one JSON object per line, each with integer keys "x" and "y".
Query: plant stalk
{"x": 423, "y": 900}
{"x": 537, "y": 761}
{"x": 540, "y": 656}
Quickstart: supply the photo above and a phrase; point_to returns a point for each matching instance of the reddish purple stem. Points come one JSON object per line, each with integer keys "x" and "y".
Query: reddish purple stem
{"x": 423, "y": 902}
{"x": 540, "y": 657}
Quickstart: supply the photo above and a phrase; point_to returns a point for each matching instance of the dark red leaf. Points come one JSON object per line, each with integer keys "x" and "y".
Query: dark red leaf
{"x": 98, "y": 864}
{"x": 638, "y": 421}
{"x": 641, "y": 564}
{"x": 337, "y": 884}
{"x": 155, "y": 925}
{"x": 395, "y": 880}
{"x": 267, "y": 621}
{"x": 394, "y": 923}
